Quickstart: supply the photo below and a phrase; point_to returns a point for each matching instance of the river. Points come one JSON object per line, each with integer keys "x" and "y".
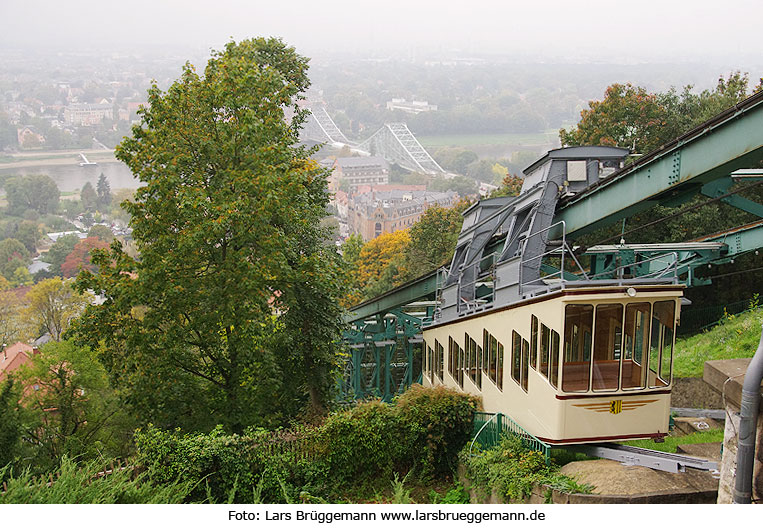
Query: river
{"x": 71, "y": 177}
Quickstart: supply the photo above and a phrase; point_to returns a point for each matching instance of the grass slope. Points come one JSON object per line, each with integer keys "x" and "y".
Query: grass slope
{"x": 736, "y": 337}
{"x": 672, "y": 442}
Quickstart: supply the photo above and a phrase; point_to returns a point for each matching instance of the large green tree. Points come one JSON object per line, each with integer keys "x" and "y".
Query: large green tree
{"x": 104, "y": 192}
{"x": 13, "y": 255}
{"x": 231, "y": 251}
{"x": 37, "y": 191}
{"x": 628, "y": 116}
{"x": 10, "y": 421}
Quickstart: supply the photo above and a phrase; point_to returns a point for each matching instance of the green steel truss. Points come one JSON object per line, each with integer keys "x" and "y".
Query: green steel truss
{"x": 384, "y": 356}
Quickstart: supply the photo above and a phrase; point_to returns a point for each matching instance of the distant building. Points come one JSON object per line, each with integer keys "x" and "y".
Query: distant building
{"x": 357, "y": 171}
{"x": 84, "y": 114}
{"x": 14, "y": 356}
{"x": 377, "y": 212}
{"x": 29, "y": 137}
{"x": 340, "y": 201}
{"x": 410, "y": 107}
{"x": 55, "y": 236}
{"x": 38, "y": 265}
{"x": 486, "y": 189}
{"x": 389, "y": 187}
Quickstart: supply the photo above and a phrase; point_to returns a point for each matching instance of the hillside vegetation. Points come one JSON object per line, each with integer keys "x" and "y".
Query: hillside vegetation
{"x": 737, "y": 336}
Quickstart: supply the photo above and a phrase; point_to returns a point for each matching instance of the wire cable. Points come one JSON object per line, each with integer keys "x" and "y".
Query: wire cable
{"x": 679, "y": 213}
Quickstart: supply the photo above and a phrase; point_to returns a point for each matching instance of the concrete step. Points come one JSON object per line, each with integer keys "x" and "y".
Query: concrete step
{"x": 689, "y": 425}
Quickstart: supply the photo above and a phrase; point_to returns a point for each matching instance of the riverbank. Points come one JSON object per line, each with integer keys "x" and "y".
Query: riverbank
{"x": 55, "y": 157}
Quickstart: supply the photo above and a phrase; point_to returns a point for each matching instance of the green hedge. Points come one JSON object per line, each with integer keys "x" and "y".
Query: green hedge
{"x": 422, "y": 432}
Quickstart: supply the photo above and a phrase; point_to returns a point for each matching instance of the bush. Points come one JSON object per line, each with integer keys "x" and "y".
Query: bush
{"x": 220, "y": 461}
{"x": 364, "y": 442}
{"x": 511, "y": 470}
{"x": 438, "y": 423}
{"x": 79, "y": 485}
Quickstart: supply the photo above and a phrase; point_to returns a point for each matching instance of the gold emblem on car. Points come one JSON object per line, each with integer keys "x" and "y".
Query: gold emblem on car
{"x": 614, "y": 406}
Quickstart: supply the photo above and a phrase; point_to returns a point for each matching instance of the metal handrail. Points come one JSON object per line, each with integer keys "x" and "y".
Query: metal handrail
{"x": 560, "y": 251}
{"x": 505, "y": 425}
{"x": 671, "y": 266}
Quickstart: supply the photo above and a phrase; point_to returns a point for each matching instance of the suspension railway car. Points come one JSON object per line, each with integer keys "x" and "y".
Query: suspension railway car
{"x": 571, "y": 357}
{"x": 580, "y": 365}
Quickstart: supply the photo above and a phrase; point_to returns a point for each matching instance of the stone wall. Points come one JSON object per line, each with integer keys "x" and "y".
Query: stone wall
{"x": 727, "y": 376}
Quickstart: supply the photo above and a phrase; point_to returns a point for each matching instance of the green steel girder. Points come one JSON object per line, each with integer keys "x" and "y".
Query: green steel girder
{"x": 415, "y": 290}
{"x": 731, "y": 141}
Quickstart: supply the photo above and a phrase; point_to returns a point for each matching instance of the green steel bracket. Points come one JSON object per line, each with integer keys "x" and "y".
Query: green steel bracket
{"x": 721, "y": 186}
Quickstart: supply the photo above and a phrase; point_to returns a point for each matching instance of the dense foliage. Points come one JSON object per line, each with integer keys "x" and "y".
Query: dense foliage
{"x": 512, "y": 471}
{"x": 422, "y": 434}
{"x": 631, "y": 117}
{"x": 74, "y": 484}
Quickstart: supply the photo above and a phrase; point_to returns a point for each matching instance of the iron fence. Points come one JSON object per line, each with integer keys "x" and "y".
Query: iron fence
{"x": 489, "y": 428}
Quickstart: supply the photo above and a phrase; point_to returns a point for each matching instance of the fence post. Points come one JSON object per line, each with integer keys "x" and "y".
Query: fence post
{"x": 499, "y": 423}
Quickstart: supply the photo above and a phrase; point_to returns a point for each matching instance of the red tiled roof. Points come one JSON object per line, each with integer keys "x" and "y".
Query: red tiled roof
{"x": 13, "y": 357}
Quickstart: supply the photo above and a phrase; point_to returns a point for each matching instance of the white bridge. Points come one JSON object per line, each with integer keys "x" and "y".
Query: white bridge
{"x": 393, "y": 142}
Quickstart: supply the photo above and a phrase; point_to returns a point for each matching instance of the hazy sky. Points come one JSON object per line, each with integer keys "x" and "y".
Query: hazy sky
{"x": 574, "y": 30}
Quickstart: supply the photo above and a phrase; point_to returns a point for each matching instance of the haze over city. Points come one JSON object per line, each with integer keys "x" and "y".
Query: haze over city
{"x": 597, "y": 30}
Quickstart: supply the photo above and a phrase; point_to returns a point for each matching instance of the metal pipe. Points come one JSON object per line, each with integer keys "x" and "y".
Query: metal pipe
{"x": 748, "y": 425}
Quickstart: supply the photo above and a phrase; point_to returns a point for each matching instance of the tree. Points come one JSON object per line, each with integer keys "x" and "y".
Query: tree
{"x": 58, "y": 252}
{"x": 21, "y": 277}
{"x": 10, "y": 421}
{"x": 104, "y": 193}
{"x": 351, "y": 249}
{"x": 101, "y": 232}
{"x": 455, "y": 159}
{"x": 53, "y": 304}
{"x": 12, "y": 324}
{"x": 72, "y": 405}
{"x": 28, "y": 233}
{"x": 433, "y": 240}
{"x": 227, "y": 226}
{"x": 511, "y": 185}
{"x": 461, "y": 185}
{"x": 633, "y": 118}
{"x": 381, "y": 264}
{"x": 80, "y": 256}
{"x": 89, "y": 197}
{"x": 37, "y": 191}
{"x": 13, "y": 255}
{"x": 628, "y": 116}
{"x": 351, "y": 254}
{"x": 120, "y": 196}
